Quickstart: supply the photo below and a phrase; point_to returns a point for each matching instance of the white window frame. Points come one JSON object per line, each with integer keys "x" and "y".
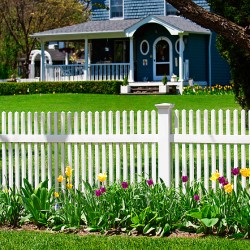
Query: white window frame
{"x": 110, "y": 17}
{"x": 144, "y": 53}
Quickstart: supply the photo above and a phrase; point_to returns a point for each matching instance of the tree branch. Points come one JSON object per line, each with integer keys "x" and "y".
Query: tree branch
{"x": 234, "y": 33}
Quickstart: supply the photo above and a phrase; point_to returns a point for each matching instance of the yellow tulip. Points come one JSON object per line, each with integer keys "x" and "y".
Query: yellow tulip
{"x": 60, "y": 178}
{"x": 102, "y": 177}
{"x": 245, "y": 172}
{"x": 68, "y": 171}
{"x": 215, "y": 176}
{"x": 228, "y": 188}
{"x": 56, "y": 194}
{"x": 69, "y": 186}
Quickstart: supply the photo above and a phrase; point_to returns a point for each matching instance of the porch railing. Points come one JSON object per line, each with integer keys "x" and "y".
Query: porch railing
{"x": 97, "y": 72}
{"x": 71, "y": 72}
{"x": 108, "y": 71}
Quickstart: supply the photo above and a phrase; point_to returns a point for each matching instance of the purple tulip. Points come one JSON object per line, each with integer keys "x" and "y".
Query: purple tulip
{"x": 124, "y": 185}
{"x": 98, "y": 192}
{"x": 225, "y": 183}
{"x": 235, "y": 171}
{"x": 222, "y": 180}
{"x": 102, "y": 189}
{"x": 196, "y": 197}
{"x": 184, "y": 178}
{"x": 150, "y": 182}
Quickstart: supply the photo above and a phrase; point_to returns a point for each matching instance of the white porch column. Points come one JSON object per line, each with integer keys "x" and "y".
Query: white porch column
{"x": 181, "y": 48}
{"x": 42, "y": 71}
{"x": 66, "y": 58}
{"x": 86, "y": 58}
{"x": 131, "y": 60}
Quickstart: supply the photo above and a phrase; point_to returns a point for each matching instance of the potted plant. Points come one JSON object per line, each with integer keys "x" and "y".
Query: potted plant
{"x": 163, "y": 88}
{"x": 125, "y": 88}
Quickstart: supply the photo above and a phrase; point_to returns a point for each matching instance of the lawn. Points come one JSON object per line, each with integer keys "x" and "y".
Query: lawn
{"x": 42, "y": 240}
{"x": 94, "y": 102}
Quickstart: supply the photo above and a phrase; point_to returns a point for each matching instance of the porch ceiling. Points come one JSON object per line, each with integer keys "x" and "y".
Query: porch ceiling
{"x": 119, "y": 28}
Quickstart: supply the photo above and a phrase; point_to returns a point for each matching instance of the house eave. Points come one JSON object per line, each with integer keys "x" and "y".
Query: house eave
{"x": 79, "y": 36}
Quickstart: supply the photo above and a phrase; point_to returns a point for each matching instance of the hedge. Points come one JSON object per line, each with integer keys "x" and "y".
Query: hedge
{"x": 94, "y": 87}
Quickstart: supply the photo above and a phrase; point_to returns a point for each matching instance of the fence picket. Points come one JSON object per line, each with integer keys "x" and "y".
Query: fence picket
{"x": 111, "y": 163}
{"x": 221, "y": 128}
{"x": 97, "y": 155}
{"x": 63, "y": 131}
{"x": 139, "y": 152}
{"x": 23, "y": 150}
{"x": 76, "y": 152}
{"x": 104, "y": 165}
{"x": 213, "y": 149}
{"x": 198, "y": 146}
{"x": 10, "y": 152}
{"x": 17, "y": 151}
{"x": 83, "y": 149}
{"x": 153, "y": 146}
{"x": 43, "y": 167}
{"x": 191, "y": 147}
{"x": 132, "y": 163}
{"x": 146, "y": 154}
{"x": 124, "y": 146}
{"x": 36, "y": 154}
{"x": 184, "y": 151}
{"x": 30, "y": 158}
{"x": 228, "y": 147}
{"x": 49, "y": 131}
{"x": 56, "y": 164}
{"x": 90, "y": 160}
{"x": 243, "y": 147}
{"x": 117, "y": 147}
{"x": 206, "y": 161}
{"x": 177, "y": 152}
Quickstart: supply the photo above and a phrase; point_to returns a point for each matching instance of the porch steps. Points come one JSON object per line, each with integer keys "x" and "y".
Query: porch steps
{"x": 144, "y": 90}
{"x": 153, "y": 90}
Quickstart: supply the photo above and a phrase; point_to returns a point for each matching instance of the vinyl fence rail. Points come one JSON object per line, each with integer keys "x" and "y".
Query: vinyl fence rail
{"x": 129, "y": 146}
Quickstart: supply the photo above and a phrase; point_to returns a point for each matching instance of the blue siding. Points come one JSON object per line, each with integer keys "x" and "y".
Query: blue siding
{"x": 136, "y": 8}
{"x": 220, "y": 68}
{"x": 196, "y": 51}
{"x": 143, "y": 8}
{"x": 100, "y": 13}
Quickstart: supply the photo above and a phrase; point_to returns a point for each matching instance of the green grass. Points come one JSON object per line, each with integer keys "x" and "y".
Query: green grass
{"x": 94, "y": 102}
{"x": 40, "y": 240}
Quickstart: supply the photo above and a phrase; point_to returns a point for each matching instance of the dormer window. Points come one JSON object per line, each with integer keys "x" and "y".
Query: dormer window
{"x": 116, "y": 8}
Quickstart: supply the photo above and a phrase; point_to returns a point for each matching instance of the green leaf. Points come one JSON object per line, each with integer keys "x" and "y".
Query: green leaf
{"x": 166, "y": 230}
{"x": 197, "y": 215}
{"x": 148, "y": 228}
{"x": 209, "y": 222}
{"x": 36, "y": 202}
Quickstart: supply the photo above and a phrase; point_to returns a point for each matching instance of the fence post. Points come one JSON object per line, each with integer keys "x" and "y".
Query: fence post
{"x": 164, "y": 145}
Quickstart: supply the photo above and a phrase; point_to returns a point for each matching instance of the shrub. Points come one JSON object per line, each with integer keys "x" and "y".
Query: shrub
{"x": 93, "y": 87}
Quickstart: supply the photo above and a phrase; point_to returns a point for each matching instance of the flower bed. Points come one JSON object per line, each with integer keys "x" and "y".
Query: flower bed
{"x": 143, "y": 208}
{"x": 214, "y": 90}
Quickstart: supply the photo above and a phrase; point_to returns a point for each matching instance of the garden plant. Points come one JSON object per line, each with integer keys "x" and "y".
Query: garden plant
{"x": 144, "y": 208}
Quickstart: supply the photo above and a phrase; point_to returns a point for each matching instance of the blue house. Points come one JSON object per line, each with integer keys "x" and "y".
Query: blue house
{"x": 143, "y": 40}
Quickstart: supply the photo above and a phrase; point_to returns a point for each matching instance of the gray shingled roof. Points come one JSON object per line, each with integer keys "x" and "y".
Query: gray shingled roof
{"x": 92, "y": 27}
{"x": 183, "y": 24}
{"x": 112, "y": 26}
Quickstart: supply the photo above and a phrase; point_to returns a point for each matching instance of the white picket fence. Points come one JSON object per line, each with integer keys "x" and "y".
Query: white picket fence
{"x": 128, "y": 146}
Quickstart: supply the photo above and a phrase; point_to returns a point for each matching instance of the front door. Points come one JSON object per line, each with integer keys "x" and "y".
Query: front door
{"x": 162, "y": 58}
